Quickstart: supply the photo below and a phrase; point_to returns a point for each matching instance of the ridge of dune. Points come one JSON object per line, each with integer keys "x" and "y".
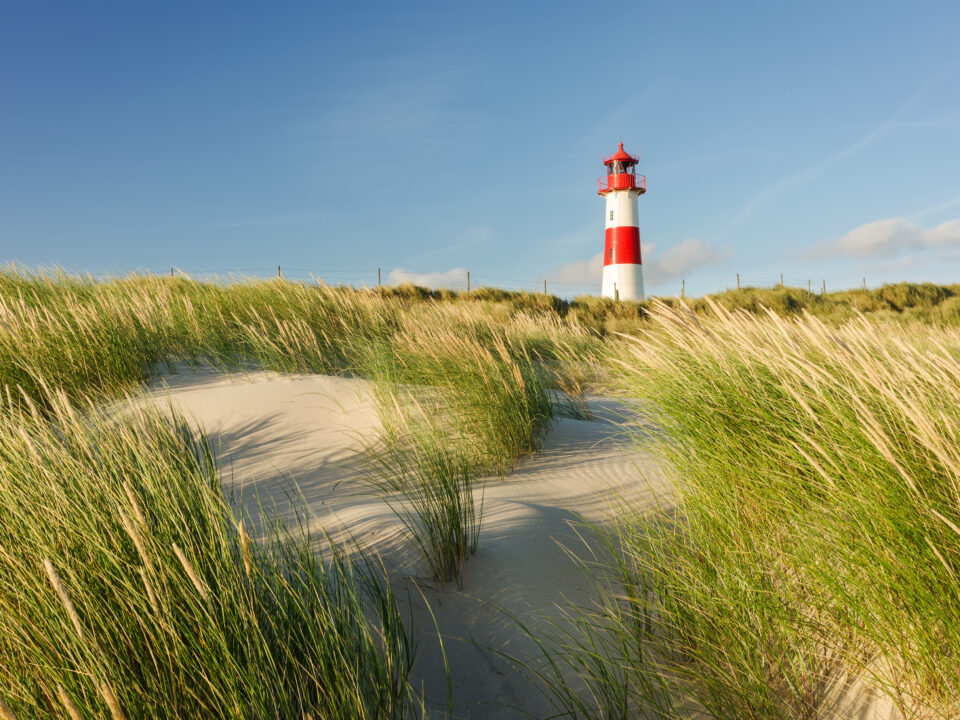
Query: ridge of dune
{"x": 304, "y": 434}
{"x": 297, "y": 440}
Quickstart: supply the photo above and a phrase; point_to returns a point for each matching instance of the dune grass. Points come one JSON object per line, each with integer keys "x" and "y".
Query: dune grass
{"x": 128, "y": 587}
{"x": 132, "y": 589}
{"x": 483, "y": 367}
{"x": 815, "y": 541}
{"x": 99, "y": 338}
{"x": 427, "y": 478}
{"x": 899, "y": 302}
{"x": 461, "y": 397}
{"x": 815, "y": 544}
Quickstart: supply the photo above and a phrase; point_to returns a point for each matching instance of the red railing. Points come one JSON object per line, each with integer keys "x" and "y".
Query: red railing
{"x": 622, "y": 181}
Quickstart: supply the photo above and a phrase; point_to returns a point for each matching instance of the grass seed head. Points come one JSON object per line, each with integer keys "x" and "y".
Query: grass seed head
{"x": 191, "y": 573}
{"x": 65, "y": 600}
{"x": 134, "y": 536}
{"x": 6, "y": 713}
{"x": 244, "y": 548}
{"x": 110, "y": 698}
{"x": 134, "y": 505}
{"x": 69, "y": 706}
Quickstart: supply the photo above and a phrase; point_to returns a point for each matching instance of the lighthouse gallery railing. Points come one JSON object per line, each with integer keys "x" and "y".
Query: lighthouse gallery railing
{"x": 622, "y": 181}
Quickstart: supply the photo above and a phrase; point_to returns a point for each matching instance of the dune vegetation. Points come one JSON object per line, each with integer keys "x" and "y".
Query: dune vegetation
{"x": 815, "y": 545}
{"x": 812, "y": 543}
{"x": 129, "y": 588}
{"x": 115, "y": 607}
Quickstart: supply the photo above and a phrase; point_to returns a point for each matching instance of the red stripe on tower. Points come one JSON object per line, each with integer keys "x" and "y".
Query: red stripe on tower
{"x": 622, "y": 245}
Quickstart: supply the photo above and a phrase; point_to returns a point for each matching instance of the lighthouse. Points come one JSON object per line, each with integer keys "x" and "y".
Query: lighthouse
{"x": 622, "y": 268}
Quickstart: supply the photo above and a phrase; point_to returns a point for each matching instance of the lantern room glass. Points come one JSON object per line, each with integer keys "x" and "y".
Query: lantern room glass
{"x": 618, "y": 167}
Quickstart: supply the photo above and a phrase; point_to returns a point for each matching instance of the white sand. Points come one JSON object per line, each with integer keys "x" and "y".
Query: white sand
{"x": 278, "y": 434}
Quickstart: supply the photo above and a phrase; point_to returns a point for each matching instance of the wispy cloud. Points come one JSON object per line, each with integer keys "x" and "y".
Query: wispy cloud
{"x": 934, "y": 209}
{"x": 893, "y": 236}
{"x": 455, "y": 279}
{"x": 804, "y": 175}
{"x": 673, "y": 263}
{"x": 275, "y": 221}
{"x": 815, "y": 170}
{"x": 397, "y": 106}
{"x": 468, "y": 237}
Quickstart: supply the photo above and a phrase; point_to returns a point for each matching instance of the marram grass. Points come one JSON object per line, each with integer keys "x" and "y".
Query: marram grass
{"x": 815, "y": 537}
{"x": 128, "y": 588}
{"x": 485, "y": 378}
{"x": 814, "y": 547}
{"x": 427, "y": 478}
{"x": 90, "y": 338}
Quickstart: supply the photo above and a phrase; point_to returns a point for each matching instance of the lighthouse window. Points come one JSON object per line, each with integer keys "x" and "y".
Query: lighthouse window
{"x": 611, "y": 214}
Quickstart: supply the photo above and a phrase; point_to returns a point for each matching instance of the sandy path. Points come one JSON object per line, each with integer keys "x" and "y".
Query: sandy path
{"x": 302, "y": 435}
{"x": 523, "y": 567}
{"x": 283, "y": 434}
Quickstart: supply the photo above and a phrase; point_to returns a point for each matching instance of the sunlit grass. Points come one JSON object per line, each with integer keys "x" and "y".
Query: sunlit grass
{"x": 140, "y": 588}
{"x": 427, "y": 478}
{"x": 816, "y": 537}
{"x": 129, "y": 588}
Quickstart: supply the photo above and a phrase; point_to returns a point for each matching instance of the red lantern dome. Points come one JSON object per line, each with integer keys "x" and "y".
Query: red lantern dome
{"x": 622, "y": 156}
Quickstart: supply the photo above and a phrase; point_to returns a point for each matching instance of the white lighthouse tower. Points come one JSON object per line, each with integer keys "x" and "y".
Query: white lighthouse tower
{"x": 622, "y": 267}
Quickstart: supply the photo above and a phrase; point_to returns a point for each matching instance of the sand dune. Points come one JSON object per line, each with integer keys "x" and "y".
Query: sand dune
{"x": 282, "y": 436}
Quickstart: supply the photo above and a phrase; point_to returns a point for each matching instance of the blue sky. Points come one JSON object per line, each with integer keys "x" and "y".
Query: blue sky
{"x": 821, "y": 140}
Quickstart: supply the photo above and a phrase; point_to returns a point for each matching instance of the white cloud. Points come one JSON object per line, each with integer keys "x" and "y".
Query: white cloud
{"x": 674, "y": 263}
{"x": 581, "y": 272}
{"x": 455, "y": 279}
{"x": 892, "y": 236}
{"x": 683, "y": 258}
{"x": 944, "y": 235}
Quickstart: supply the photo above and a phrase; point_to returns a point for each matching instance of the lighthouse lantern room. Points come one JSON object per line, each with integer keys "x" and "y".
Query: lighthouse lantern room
{"x": 622, "y": 267}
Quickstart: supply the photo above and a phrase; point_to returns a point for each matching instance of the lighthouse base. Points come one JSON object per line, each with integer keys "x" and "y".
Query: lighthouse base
{"x": 623, "y": 281}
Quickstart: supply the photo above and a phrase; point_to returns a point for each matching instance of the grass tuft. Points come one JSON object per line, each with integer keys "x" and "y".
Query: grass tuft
{"x": 172, "y": 611}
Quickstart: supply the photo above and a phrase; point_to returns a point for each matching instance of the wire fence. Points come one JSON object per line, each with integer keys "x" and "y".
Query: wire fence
{"x": 468, "y": 280}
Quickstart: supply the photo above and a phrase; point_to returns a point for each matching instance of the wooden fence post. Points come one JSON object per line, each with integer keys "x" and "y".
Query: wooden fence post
{"x": 468, "y": 281}
{"x": 683, "y": 289}
{"x": 738, "y": 281}
{"x": 378, "y": 277}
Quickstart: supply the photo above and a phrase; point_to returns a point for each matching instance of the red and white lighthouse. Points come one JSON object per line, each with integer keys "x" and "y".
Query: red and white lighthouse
{"x": 622, "y": 268}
